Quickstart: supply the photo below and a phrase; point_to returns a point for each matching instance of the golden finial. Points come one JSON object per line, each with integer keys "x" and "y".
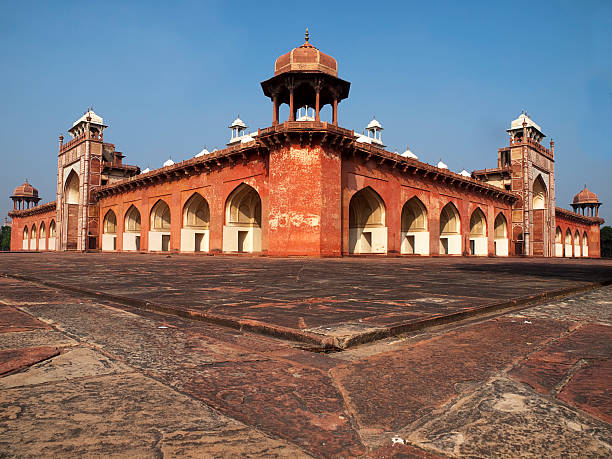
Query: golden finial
{"x": 307, "y": 35}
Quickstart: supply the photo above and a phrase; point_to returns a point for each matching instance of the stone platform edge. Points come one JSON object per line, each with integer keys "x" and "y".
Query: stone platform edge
{"x": 315, "y": 340}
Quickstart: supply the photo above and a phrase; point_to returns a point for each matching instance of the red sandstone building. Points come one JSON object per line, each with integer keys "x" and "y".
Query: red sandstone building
{"x": 305, "y": 187}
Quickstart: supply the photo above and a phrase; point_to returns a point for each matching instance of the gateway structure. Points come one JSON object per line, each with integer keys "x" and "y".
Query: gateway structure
{"x": 305, "y": 187}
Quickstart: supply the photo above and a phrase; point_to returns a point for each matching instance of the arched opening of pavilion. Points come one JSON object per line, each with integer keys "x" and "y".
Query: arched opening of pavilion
{"x": 558, "y": 242}
{"x": 52, "y": 235}
{"x": 500, "y": 235}
{"x": 478, "y": 233}
{"x": 585, "y": 245}
{"x": 109, "y": 231}
{"x": 131, "y": 229}
{"x": 33, "y": 237}
{"x": 195, "y": 232}
{"x": 577, "y": 244}
{"x": 71, "y": 210}
{"x": 367, "y": 230}
{"x": 26, "y": 239}
{"x": 415, "y": 236}
{"x": 42, "y": 236}
{"x": 450, "y": 230}
{"x": 539, "y": 201}
{"x": 159, "y": 233}
{"x": 242, "y": 229}
{"x": 568, "y": 243}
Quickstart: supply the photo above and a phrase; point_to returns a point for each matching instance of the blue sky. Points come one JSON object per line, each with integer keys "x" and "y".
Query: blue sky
{"x": 445, "y": 78}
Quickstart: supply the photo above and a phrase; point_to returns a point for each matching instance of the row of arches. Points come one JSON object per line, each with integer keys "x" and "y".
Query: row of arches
{"x": 39, "y": 236}
{"x": 368, "y": 231}
{"x": 241, "y": 231}
{"x": 571, "y": 243}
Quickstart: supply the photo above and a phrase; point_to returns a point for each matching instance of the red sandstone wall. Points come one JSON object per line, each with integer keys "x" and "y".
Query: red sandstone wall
{"x": 214, "y": 186}
{"x": 396, "y": 187}
{"x": 305, "y": 202}
{"x": 20, "y": 222}
{"x": 592, "y": 232}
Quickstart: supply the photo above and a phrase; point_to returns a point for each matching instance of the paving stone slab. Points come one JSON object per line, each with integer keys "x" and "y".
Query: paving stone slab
{"x": 12, "y": 360}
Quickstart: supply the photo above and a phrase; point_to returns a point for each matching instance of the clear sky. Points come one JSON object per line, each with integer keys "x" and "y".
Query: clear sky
{"x": 445, "y": 78}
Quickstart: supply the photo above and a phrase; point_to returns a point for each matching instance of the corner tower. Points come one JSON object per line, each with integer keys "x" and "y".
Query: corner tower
{"x": 527, "y": 168}
{"x": 84, "y": 163}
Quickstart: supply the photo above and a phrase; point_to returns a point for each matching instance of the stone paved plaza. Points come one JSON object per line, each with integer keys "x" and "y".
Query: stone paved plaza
{"x": 196, "y": 356}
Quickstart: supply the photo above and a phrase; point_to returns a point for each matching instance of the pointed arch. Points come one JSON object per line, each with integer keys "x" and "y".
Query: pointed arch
{"x": 558, "y": 242}
{"x": 366, "y": 209}
{"x": 540, "y": 193}
{"x": 243, "y": 207}
{"x": 585, "y": 245}
{"x": 450, "y": 230}
{"x": 415, "y": 236}
{"x": 26, "y": 235}
{"x": 367, "y": 229}
{"x": 414, "y": 215}
{"x": 52, "y": 235}
{"x": 72, "y": 188}
{"x": 478, "y": 224}
{"x": 568, "y": 243}
{"x": 500, "y": 235}
{"x": 33, "y": 231}
{"x": 131, "y": 229}
{"x": 577, "y": 244}
{"x": 242, "y": 229}
{"x": 160, "y": 216}
{"x": 196, "y": 212}
{"x": 110, "y": 223}
{"x": 196, "y": 223}
{"x": 132, "y": 220}
{"x": 42, "y": 233}
{"x": 478, "y": 232}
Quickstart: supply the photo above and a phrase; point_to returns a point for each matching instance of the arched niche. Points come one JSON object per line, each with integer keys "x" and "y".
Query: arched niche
{"x": 26, "y": 239}
{"x": 568, "y": 243}
{"x": 450, "y": 230}
{"x": 131, "y": 229}
{"x": 242, "y": 229}
{"x": 367, "y": 230}
{"x": 478, "y": 233}
{"x": 196, "y": 223}
{"x": 577, "y": 244}
{"x": 500, "y": 235}
{"x": 585, "y": 245}
{"x": 539, "y": 193}
{"x": 71, "y": 188}
{"x": 109, "y": 231}
{"x": 52, "y": 235}
{"x": 415, "y": 234}
{"x": 33, "y": 237}
{"x": 558, "y": 242}
{"x": 159, "y": 232}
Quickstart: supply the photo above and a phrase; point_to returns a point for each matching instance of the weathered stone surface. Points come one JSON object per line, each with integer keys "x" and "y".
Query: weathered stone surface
{"x": 34, "y": 338}
{"x": 505, "y": 419}
{"x": 124, "y": 415}
{"x": 73, "y": 363}
{"x": 12, "y": 360}
{"x": 12, "y": 320}
{"x": 393, "y": 389}
{"x": 310, "y": 294}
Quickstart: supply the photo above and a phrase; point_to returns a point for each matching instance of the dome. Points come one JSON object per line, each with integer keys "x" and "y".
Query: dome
{"x": 409, "y": 154}
{"x": 306, "y": 58}
{"x": 203, "y": 152}
{"x": 145, "y": 171}
{"x": 374, "y": 124}
{"x": 95, "y": 119}
{"x": 518, "y": 123}
{"x": 465, "y": 173}
{"x": 441, "y": 165}
{"x": 26, "y": 191}
{"x": 586, "y": 197}
{"x": 169, "y": 162}
{"x": 238, "y": 123}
